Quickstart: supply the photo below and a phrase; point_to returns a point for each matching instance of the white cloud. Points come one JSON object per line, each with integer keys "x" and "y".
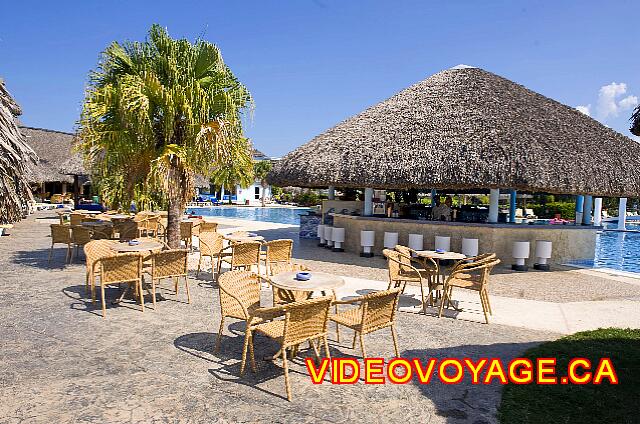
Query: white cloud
{"x": 585, "y": 109}
{"x": 628, "y": 102}
{"x": 608, "y": 104}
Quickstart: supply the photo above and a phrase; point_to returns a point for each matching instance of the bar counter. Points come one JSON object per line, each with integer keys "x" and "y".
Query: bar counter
{"x": 570, "y": 242}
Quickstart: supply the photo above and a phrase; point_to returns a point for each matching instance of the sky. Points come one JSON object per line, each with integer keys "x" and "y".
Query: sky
{"x": 310, "y": 64}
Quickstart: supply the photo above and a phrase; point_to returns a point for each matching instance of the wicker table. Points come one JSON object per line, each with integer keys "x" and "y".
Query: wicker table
{"x": 243, "y": 238}
{"x": 319, "y": 281}
{"x": 144, "y": 246}
{"x": 441, "y": 256}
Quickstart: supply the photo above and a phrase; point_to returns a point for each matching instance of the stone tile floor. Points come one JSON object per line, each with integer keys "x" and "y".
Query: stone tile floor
{"x": 61, "y": 362}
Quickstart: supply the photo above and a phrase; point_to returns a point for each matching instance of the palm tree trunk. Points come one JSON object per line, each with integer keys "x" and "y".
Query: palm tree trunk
{"x": 174, "y": 217}
{"x": 262, "y": 199}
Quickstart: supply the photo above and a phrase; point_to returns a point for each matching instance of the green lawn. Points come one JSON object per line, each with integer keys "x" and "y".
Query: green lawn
{"x": 604, "y": 403}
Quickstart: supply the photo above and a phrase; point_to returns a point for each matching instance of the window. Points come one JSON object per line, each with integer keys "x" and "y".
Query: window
{"x": 257, "y": 193}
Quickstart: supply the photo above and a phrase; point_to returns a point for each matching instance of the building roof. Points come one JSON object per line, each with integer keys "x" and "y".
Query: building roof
{"x": 468, "y": 128}
{"x": 56, "y": 159}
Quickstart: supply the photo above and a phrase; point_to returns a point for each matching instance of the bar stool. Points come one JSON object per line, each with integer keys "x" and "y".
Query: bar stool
{"x": 470, "y": 247}
{"x": 543, "y": 254}
{"x": 322, "y": 242}
{"x": 443, "y": 243}
{"x": 520, "y": 253}
{"x": 328, "y": 236}
{"x": 390, "y": 240}
{"x": 367, "y": 241}
{"x": 416, "y": 241}
{"x": 338, "y": 238}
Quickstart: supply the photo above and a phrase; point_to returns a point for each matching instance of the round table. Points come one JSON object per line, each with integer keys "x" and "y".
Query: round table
{"x": 441, "y": 256}
{"x": 241, "y": 238}
{"x": 86, "y": 212}
{"x": 143, "y": 246}
{"x": 119, "y": 216}
{"x": 319, "y": 281}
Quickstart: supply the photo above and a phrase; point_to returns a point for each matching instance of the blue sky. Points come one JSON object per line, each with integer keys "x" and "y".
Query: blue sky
{"x": 310, "y": 64}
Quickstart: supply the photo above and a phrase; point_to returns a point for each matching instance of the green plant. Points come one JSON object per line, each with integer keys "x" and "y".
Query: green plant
{"x": 260, "y": 170}
{"x": 307, "y": 198}
{"x": 589, "y": 403}
{"x": 158, "y": 112}
{"x": 567, "y": 210}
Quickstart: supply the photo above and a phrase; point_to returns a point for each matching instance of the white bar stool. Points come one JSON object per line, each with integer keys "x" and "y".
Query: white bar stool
{"x": 328, "y": 236}
{"x": 367, "y": 241}
{"x": 322, "y": 242}
{"x": 543, "y": 254}
{"x": 390, "y": 240}
{"x": 520, "y": 254}
{"x": 470, "y": 247}
{"x": 443, "y": 243}
{"x": 337, "y": 236}
{"x": 416, "y": 241}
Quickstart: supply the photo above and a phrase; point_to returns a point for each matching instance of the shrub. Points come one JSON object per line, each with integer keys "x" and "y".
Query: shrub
{"x": 567, "y": 210}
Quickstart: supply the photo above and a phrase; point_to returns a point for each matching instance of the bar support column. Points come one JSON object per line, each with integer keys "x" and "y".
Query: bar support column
{"x": 622, "y": 214}
{"x": 331, "y": 195}
{"x": 368, "y": 201}
{"x": 512, "y": 206}
{"x": 597, "y": 211}
{"x": 494, "y": 198}
{"x": 586, "y": 213}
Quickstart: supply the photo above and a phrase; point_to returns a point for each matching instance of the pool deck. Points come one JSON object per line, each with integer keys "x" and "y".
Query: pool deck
{"x": 61, "y": 362}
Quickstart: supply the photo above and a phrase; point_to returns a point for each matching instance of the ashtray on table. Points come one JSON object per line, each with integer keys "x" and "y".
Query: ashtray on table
{"x": 303, "y": 276}
{"x": 134, "y": 242}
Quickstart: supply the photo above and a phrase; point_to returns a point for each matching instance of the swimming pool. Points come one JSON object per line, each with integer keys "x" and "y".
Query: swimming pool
{"x": 279, "y": 215}
{"x": 617, "y": 249}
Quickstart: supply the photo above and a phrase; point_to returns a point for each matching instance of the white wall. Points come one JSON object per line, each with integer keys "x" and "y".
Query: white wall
{"x": 253, "y": 193}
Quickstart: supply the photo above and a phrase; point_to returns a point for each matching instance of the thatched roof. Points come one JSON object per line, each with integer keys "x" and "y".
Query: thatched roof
{"x": 57, "y": 160}
{"x": 15, "y": 155}
{"x": 468, "y": 128}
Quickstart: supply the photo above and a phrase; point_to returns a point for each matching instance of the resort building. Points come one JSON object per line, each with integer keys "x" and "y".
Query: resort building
{"x": 465, "y": 130}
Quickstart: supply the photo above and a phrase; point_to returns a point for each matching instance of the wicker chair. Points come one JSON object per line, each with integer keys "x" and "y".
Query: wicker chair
{"x": 278, "y": 252}
{"x": 118, "y": 269}
{"x": 244, "y": 255}
{"x": 474, "y": 276}
{"x": 75, "y": 218}
{"x": 401, "y": 273}
{"x": 152, "y": 224}
{"x": 208, "y": 227}
{"x": 127, "y": 230}
{"x": 61, "y": 233}
{"x": 102, "y": 232}
{"x": 375, "y": 312}
{"x": 186, "y": 234}
{"x": 80, "y": 236}
{"x": 211, "y": 246}
{"x": 93, "y": 251}
{"x": 304, "y": 321}
{"x": 169, "y": 264}
{"x": 239, "y": 293}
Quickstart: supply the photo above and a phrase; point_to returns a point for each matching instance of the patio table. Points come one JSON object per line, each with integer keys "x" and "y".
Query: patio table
{"x": 287, "y": 283}
{"x": 242, "y": 238}
{"x": 144, "y": 246}
{"x": 441, "y": 256}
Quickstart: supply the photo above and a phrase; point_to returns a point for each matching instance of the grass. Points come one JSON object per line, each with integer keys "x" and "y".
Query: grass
{"x": 604, "y": 403}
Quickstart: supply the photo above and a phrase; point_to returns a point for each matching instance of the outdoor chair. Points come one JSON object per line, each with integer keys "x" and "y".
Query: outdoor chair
{"x": 401, "y": 273}
{"x": 375, "y": 312}
{"x": 186, "y": 234}
{"x": 80, "y": 236}
{"x": 244, "y": 255}
{"x": 61, "y": 234}
{"x": 473, "y": 276}
{"x": 304, "y": 321}
{"x": 127, "y": 230}
{"x": 75, "y": 218}
{"x": 169, "y": 264}
{"x": 208, "y": 227}
{"x": 278, "y": 252}
{"x": 118, "y": 269}
{"x": 93, "y": 251}
{"x": 152, "y": 224}
{"x": 211, "y": 246}
{"x": 239, "y": 293}
{"x": 102, "y": 232}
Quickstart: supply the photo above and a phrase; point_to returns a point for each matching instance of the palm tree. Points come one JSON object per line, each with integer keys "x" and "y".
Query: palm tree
{"x": 15, "y": 155}
{"x": 158, "y": 112}
{"x": 635, "y": 121}
{"x": 260, "y": 170}
{"x": 232, "y": 174}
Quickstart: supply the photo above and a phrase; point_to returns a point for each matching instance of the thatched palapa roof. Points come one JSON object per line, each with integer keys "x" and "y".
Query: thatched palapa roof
{"x": 467, "y": 128}
{"x": 57, "y": 160}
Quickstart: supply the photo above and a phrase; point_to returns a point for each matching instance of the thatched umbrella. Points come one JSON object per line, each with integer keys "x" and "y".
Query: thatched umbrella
{"x": 466, "y": 128}
{"x": 14, "y": 157}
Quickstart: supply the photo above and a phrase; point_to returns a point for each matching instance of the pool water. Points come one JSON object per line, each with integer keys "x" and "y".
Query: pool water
{"x": 279, "y": 215}
{"x": 617, "y": 249}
